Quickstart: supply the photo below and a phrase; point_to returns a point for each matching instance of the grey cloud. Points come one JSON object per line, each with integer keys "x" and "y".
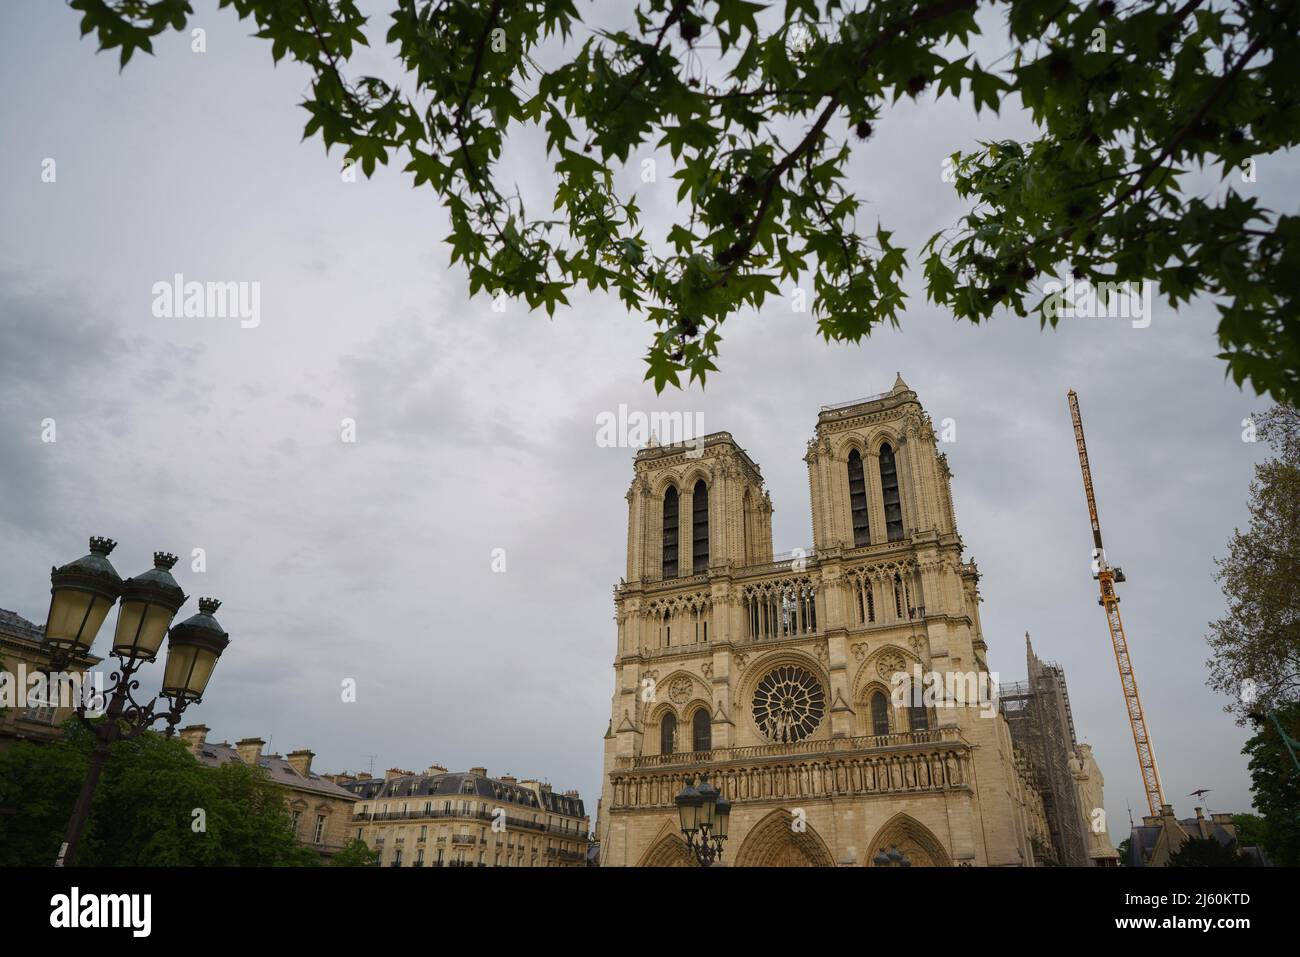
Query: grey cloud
{"x": 477, "y": 431}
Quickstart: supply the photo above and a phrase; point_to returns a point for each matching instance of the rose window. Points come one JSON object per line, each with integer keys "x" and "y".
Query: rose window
{"x": 789, "y": 704}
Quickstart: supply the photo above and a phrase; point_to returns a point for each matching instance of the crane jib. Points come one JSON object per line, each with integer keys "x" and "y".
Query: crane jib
{"x": 1107, "y": 577}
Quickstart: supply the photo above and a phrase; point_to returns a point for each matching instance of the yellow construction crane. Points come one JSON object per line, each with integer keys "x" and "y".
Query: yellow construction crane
{"x": 1107, "y": 577}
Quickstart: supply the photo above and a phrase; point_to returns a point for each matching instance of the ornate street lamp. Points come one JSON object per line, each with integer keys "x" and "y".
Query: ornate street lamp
{"x": 891, "y": 858}
{"x": 81, "y": 594}
{"x": 704, "y": 816}
{"x": 192, "y": 653}
{"x": 148, "y": 604}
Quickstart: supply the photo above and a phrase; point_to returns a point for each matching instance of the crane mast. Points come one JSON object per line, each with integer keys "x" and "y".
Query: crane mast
{"x": 1107, "y": 577}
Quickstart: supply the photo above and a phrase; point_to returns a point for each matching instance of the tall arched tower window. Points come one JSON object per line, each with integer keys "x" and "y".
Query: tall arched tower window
{"x": 701, "y": 731}
{"x": 670, "y": 533}
{"x": 667, "y": 733}
{"x": 889, "y": 491}
{"x": 879, "y": 713}
{"x": 858, "y": 500}
{"x": 700, "y": 529}
{"x": 917, "y": 717}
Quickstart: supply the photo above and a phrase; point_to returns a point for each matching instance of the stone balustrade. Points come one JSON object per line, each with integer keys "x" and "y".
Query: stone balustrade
{"x": 907, "y": 762}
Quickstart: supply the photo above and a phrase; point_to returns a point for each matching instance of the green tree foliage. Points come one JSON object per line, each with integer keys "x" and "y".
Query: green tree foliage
{"x": 1275, "y": 782}
{"x": 356, "y": 854}
{"x": 144, "y": 808}
{"x": 1207, "y": 852}
{"x": 1256, "y": 645}
{"x": 761, "y": 105}
{"x": 1123, "y": 851}
{"x": 1250, "y": 829}
{"x": 39, "y": 784}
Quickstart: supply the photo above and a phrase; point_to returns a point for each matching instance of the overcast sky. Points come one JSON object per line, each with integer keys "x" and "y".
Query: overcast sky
{"x": 476, "y": 430}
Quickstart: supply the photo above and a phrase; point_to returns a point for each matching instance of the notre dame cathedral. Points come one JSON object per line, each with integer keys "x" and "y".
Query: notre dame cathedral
{"x": 777, "y": 678}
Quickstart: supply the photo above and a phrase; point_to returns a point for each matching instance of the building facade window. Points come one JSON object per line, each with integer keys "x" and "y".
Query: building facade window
{"x": 879, "y": 713}
{"x": 702, "y": 731}
{"x": 320, "y": 829}
{"x": 918, "y": 718}
{"x": 889, "y": 492}
{"x": 700, "y": 529}
{"x": 858, "y": 500}
{"x": 42, "y": 714}
{"x": 670, "y": 533}
{"x": 667, "y": 733}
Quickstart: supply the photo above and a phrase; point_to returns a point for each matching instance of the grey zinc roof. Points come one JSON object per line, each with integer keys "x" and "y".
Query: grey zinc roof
{"x": 1141, "y": 843}
{"x": 16, "y": 626}
{"x": 1142, "y": 840}
{"x": 452, "y": 784}
{"x": 280, "y": 770}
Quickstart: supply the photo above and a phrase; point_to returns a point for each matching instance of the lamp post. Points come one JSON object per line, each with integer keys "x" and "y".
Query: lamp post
{"x": 81, "y": 594}
{"x": 704, "y": 815}
{"x": 891, "y": 858}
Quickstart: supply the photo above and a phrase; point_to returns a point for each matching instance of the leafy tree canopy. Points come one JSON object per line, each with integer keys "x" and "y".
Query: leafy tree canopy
{"x": 144, "y": 813}
{"x": 760, "y": 106}
{"x": 356, "y": 854}
{"x": 1250, "y": 829}
{"x": 1275, "y": 783}
{"x": 1207, "y": 852}
{"x": 1256, "y": 644}
{"x": 1122, "y": 848}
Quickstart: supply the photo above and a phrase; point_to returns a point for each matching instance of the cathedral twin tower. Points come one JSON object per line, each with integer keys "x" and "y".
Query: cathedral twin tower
{"x": 778, "y": 678}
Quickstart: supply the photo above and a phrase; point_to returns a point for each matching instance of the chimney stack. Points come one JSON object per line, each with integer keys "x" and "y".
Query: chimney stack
{"x": 250, "y": 751}
{"x": 194, "y": 737}
{"x": 300, "y": 761}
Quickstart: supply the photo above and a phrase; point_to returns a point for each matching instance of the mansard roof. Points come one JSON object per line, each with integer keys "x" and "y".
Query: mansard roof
{"x": 452, "y": 784}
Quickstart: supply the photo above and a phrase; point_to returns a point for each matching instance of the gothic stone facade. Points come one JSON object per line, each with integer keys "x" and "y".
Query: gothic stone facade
{"x": 774, "y": 676}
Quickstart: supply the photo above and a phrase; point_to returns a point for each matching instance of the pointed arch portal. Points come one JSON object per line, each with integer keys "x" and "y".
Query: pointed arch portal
{"x": 911, "y": 837}
{"x": 668, "y": 851}
{"x": 775, "y": 842}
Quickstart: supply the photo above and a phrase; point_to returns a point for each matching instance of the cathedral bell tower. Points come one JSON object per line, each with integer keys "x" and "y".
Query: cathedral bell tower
{"x": 793, "y": 681}
{"x": 695, "y": 506}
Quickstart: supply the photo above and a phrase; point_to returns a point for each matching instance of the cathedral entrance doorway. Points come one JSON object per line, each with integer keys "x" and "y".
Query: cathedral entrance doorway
{"x": 775, "y": 841}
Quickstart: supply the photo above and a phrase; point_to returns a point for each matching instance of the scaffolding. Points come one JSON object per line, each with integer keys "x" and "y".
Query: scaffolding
{"x": 1042, "y": 729}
